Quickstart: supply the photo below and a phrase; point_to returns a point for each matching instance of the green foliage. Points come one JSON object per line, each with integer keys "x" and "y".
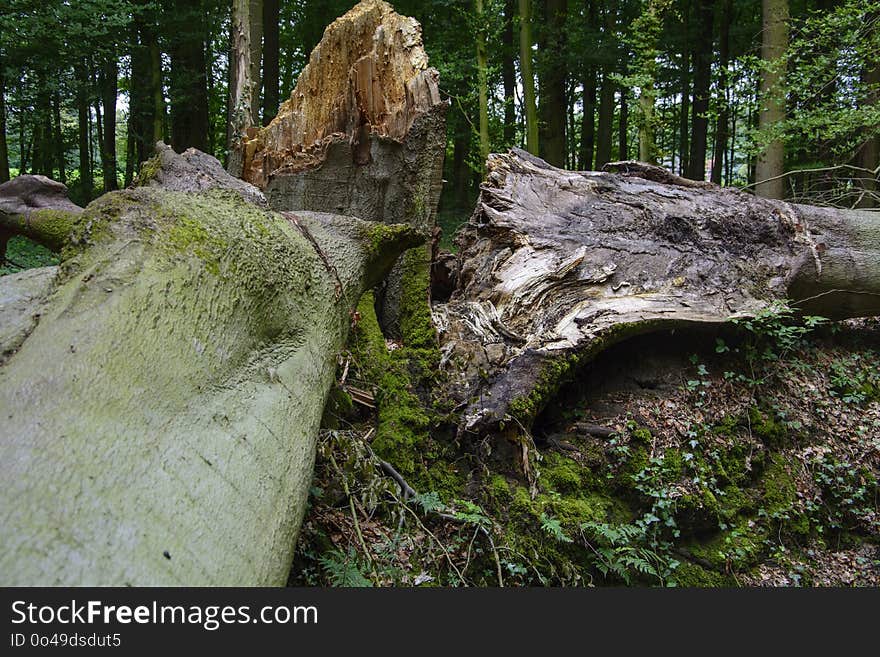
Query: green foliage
{"x": 22, "y": 253}
{"x": 343, "y": 569}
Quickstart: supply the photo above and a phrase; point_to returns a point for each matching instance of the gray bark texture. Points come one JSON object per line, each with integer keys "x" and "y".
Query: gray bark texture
{"x": 161, "y": 390}
{"x": 556, "y": 265}
{"x": 363, "y": 134}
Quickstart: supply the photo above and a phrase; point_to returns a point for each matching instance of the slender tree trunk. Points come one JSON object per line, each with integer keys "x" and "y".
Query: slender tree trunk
{"x": 99, "y": 122}
{"x": 774, "y": 42}
{"x": 869, "y": 154}
{"x": 82, "y": 107}
{"x": 58, "y": 138}
{"x": 528, "y": 77}
{"x": 240, "y": 84}
{"x": 146, "y": 118}
{"x": 605, "y": 129}
{"x": 482, "y": 83}
{"x": 702, "y": 80}
{"x": 460, "y": 147}
{"x": 508, "y": 73}
{"x": 684, "y": 116}
{"x": 588, "y": 120}
{"x": 606, "y": 119}
{"x": 158, "y": 95}
{"x": 722, "y": 125}
{"x": 255, "y": 22}
{"x": 23, "y": 156}
{"x": 623, "y": 131}
{"x": 552, "y": 108}
{"x": 109, "y": 91}
{"x": 4, "y": 147}
{"x": 271, "y": 55}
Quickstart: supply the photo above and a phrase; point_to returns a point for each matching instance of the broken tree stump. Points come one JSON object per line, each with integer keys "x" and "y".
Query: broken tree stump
{"x": 363, "y": 134}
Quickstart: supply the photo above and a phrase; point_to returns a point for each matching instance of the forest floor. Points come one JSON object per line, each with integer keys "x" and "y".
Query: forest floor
{"x": 747, "y": 458}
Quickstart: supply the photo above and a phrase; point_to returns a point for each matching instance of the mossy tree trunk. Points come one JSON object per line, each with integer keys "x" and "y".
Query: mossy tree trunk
{"x": 159, "y": 420}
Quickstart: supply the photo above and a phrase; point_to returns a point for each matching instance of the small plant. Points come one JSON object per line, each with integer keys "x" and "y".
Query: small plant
{"x": 342, "y": 569}
{"x": 553, "y": 527}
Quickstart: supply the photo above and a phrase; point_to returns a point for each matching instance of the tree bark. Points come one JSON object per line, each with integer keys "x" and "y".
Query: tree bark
{"x": 530, "y": 108}
{"x": 555, "y": 266}
{"x": 774, "y": 42}
{"x": 159, "y": 421}
{"x": 271, "y": 56}
{"x": 588, "y": 120}
{"x": 240, "y": 85}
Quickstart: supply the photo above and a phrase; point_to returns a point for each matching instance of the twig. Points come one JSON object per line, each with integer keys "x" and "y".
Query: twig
{"x": 357, "y": 525}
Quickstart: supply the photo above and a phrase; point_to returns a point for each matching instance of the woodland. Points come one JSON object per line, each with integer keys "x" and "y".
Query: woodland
{"x": 440, "y": 293}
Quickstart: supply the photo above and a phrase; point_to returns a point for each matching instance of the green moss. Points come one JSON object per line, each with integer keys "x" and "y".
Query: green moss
{"x": 416, "y": 325}
{"x": 554, "y": 373}
{"x": 148, "y": 171}
{"x": 561, "y": 473}
{"x": 52, "y": 228}
{"x": 690, "y": 575}
{"x": 673, "y": 463}
{"x": 499, "y": 489}
{"x": 641, "y": 436}
{"x": 186, "y": 234}
{"x": 339, "y": 406}
{"x": 765, "y": 427}
{"x": 779, "y": 487}
{"x": 738, "y": 548}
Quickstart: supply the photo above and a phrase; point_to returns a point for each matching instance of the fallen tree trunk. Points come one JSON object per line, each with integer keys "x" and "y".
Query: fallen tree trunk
{"x": 363, "y": 134}
{"x": 162, "y": 389}
{"x": 556, "y": 265}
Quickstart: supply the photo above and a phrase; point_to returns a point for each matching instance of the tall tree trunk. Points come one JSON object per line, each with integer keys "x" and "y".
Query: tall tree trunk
{"x": 702, "y": 80}
{"x": 255, "y": 20}
{"x": 271, "y": 55}
{"x": 623, "y": 127}
{"x": 869, "y": 154}
{"x": 552, "y": 109}
{"x": 4, "y": 147}
{"x": 188, "y": 33}
{"x": 144, "y": 119}
{"x": 588, "y": 120}
{"x": 58, "y": 138}
{"x": 156, "y": 85}
{"x": 482, "y": 83}
{"x": 508, "y": 72}
{"x": 460, "y": 178}
{"x": 240, "y": 85}
{"x": 82, "y": 108}
{"x": 774, "y": 42}
{"x": 528, "y": 76}
{"x": 605, "y": 129}
{"x": 722, "y": 125}
{"x": 109, "y": 90}
{"x": 646, "y": 35}
{"x": 685, "y": 90}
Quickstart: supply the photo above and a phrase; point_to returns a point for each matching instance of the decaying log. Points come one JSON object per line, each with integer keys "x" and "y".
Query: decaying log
{"x": 556, "y": 265}
{"x": 362, "y": 134}
{"x": 161, "y": 390}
